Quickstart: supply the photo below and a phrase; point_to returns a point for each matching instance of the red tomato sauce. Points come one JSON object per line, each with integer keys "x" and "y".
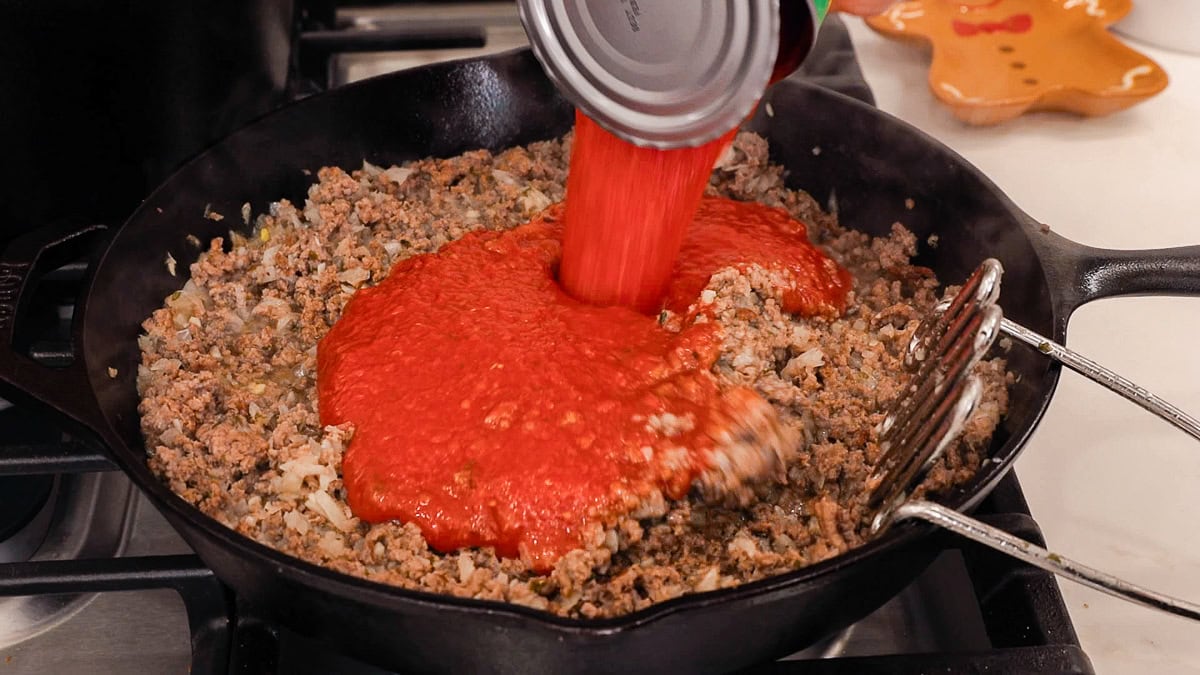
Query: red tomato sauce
{"x": 627, "y": 211}
{"x": 491, "y": 408}
{"x": 726, "y": 233}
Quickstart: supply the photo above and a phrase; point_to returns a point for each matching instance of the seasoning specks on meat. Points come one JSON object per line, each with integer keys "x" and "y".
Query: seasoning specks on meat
{"x": 229, "y": 409}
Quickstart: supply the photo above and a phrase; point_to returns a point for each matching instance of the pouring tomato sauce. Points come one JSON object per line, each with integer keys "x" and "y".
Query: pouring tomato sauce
{"x": 492, "y": 408}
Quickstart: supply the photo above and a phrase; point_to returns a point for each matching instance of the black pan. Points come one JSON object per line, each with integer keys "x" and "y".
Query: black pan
{"x": 872, "y": 162}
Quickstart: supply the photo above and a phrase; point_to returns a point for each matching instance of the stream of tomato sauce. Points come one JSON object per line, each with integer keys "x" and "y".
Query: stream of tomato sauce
{"x": 492, "y": 406}
{"x": 627, "y": 211}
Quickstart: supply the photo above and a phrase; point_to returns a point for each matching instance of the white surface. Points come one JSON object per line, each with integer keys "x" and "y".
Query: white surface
{"x": 1110, "y": 484}
{"x": 1174, "y": 24}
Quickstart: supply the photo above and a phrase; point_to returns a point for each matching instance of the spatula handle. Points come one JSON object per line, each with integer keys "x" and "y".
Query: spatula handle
{"x": 1098, "y": 373}
{"x": 1037, "y": 556}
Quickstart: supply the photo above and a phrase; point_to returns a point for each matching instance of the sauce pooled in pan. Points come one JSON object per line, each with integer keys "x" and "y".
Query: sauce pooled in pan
{"x": 492, "y": 408}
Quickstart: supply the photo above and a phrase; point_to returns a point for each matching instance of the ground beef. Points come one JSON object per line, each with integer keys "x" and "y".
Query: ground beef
{"x": 229, "y": 408}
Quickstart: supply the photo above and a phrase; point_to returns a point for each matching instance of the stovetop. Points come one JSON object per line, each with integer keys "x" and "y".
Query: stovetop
{"x": 94, "y": 580}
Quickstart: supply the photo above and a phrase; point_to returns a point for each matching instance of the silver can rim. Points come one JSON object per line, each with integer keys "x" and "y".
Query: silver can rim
{"x": 658, "y": 131}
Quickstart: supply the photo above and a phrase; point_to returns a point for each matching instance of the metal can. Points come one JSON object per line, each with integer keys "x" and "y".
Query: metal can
{"x": 669, "y": 73}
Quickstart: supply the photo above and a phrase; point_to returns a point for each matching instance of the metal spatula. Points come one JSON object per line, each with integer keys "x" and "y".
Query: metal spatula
{"x": 940, "y": 398}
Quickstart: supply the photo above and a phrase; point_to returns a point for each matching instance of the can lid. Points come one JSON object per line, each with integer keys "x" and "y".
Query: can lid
{"x": 658, "y": 73}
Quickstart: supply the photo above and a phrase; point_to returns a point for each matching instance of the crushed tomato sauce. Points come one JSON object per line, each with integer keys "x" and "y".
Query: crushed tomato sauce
{"x": 493, "y": 409}
{"x": 728, "y": 233}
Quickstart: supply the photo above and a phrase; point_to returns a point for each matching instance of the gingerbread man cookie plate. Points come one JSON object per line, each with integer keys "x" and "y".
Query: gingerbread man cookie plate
{"x": 996, "y": 59}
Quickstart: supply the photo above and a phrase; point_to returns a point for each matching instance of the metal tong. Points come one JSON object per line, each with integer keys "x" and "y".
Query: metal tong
{"x": 941, "y": 396}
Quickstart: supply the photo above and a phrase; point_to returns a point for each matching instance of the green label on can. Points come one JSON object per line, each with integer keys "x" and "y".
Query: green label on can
{"x": 820, "y": 9}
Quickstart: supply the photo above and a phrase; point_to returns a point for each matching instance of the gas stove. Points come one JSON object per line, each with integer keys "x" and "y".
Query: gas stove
{"x": 93, "y": 579}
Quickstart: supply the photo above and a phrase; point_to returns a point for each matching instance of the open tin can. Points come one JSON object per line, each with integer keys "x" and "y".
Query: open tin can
{"x": 666, "y": 73}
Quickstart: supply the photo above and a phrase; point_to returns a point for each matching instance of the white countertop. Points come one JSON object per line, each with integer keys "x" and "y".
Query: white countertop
{"x": 1110, "y": 484}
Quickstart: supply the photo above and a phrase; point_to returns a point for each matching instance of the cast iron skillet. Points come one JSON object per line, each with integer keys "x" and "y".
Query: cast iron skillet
{"x": 870, "y": 160}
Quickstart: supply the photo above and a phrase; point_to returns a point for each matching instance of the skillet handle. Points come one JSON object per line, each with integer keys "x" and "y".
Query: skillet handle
{"x": 1105, "y": 273}
{"x": 1086, "y": 273}
{"x": 66, "y": 390}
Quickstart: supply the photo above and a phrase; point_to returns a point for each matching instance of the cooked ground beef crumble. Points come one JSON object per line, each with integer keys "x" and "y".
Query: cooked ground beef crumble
{"x": 229, "y": 405}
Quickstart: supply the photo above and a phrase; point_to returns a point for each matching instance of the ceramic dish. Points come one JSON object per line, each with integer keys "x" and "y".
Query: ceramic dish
{"x": 994, "y": 60}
